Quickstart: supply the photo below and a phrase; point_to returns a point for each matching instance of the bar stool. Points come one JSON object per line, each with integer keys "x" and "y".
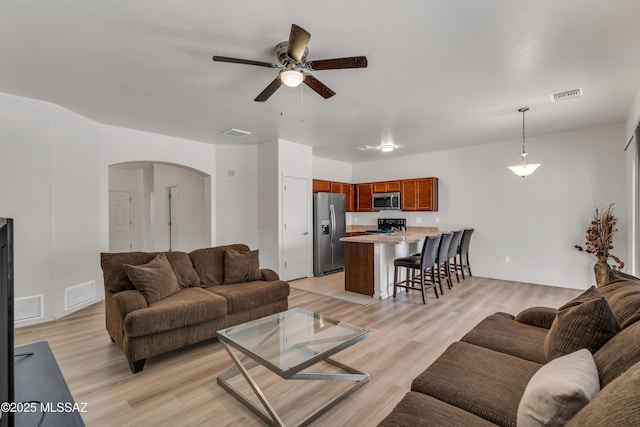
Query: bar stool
{"x": 442, "y": 261}
{"x": 463, "y": 252}
{"x": 452, "y": 255}
{"x": 422, "y": 264}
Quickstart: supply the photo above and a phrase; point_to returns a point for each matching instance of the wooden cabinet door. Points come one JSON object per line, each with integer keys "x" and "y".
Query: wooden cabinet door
{"x": 320, "y": 186}
{"x": 336, "y": 187}
{"x": 427, "y": 194}
{"x": 393, "y": 186}
{"x": 348, "y": 190}
{"x": 364, "y": 194}
{"x": 408, "y": 195}
{"x": 379, "y": 187}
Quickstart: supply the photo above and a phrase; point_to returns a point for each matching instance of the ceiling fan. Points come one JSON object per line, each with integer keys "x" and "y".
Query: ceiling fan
{"x": 294, "y": 67}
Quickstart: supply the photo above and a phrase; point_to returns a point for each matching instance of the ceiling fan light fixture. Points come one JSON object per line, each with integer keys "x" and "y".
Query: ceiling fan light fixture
{"x": 291, "y": 77}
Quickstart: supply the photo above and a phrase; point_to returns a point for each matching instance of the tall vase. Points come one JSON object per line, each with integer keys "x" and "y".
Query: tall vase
{"x": 602, "y": 270}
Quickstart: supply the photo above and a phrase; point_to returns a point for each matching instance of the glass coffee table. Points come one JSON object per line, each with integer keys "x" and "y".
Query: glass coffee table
{"x": 287, "y": 343}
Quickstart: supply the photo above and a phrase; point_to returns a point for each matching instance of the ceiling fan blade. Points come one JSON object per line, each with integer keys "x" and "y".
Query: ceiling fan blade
{"x": 244, "y": 61}
{"x": 269, "y": 90}
{"x": 298, "y": 40}
{"x": 318, "y": 86}
{"x": 338, "y": 63}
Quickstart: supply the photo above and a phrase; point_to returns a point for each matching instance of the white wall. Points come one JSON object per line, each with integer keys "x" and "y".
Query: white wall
{"x": 535, "y": 221}
{"x": 54, "y": 170}
{"x": 52, "y": 198}
{"x": 332, "y": 170}
{"x": 268, "y": 211}
{"x": 189, "y": 220}
{"x": 237, "y": 194}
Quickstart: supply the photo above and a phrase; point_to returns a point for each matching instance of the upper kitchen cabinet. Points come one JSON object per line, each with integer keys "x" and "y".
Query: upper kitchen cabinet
{"x": 419, "y": 194}
{"x": 320, "y": 186}
{"x": 386, "y": 187}
{"x": 364, "y": 193}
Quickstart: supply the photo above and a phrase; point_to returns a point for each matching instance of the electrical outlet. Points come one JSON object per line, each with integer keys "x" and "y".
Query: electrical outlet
{"x": 419, "y": 220}
{"x": 437, "y": 220}
{"x": 355, "y": 219}
{"x": 507, "y": 259}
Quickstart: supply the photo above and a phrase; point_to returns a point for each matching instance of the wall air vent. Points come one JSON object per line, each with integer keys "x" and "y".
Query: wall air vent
{"x": 561, "y": 96}
{"x": 29, "y": 308}
{"x": 236, "y": 133}
{"x": 79, "y": 294}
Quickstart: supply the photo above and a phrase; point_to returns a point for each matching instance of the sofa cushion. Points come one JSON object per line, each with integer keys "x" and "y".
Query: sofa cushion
{"x": 209, "y": 263}
{"x": 115, "y": 278}
{"x": 248, "y": 295}
{"x": 584, "y": 322}
{"x": 241, "y": 266}
{"x": 421, "y": 410}
{"x": 183, "y": 268}
{"x": 500, "y": 332}
{"x": 623, "y": 297}
{"x": 618, "y": 404}
{"x": 188, "y": 307}
{"x": 484, "y": 382}
{"x": 542, "y": 317}
{"x": 618, "y": 354}
{"x": 155, "y": 279}
{"x": 559, "y": 390}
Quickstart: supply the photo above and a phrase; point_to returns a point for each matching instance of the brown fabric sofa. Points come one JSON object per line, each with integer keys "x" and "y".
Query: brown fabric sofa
{"x": 203, "y": 304}
{"x": 481, "y": 380}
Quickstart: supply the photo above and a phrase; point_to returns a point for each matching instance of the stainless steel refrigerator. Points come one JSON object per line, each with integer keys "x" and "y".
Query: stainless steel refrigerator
{"x": 329, "y": 225}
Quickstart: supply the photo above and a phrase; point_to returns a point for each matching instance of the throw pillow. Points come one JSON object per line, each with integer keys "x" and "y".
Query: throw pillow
{"x": 584, "y": 322}
{"x": 241, "y": 267}
{"x": 559, "y": 390}
{"x": 155, "y": 279}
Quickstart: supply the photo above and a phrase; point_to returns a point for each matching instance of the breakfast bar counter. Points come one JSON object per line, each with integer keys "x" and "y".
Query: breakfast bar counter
{"x": 368, "y": 268}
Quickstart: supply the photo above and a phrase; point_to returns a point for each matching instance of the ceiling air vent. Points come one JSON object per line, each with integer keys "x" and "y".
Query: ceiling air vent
{"x": 236, "y": 133}
{"x": 561, "y": 96}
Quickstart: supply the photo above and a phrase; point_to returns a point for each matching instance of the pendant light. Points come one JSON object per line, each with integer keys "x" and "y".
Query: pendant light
{"x": 524, "y": 169}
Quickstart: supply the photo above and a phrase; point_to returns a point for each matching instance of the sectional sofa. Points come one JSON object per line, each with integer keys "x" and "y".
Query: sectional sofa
{"x": 160, "y": 301}
{"x": 578, "y": 366}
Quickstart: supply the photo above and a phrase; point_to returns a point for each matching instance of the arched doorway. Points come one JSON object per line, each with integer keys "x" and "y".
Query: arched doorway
{"x": 168, "y": 206}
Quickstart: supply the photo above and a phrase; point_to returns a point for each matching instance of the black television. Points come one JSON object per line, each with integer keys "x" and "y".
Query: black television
{"x": 6, "y": 319}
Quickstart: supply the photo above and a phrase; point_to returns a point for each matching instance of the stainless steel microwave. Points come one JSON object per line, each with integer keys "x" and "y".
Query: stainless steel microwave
{"x": 386, "y": 201}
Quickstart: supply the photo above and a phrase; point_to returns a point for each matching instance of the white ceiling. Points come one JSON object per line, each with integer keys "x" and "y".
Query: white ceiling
{"x": 442, "y": 73}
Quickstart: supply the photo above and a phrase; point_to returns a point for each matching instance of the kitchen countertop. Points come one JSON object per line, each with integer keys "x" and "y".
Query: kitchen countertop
{"x": 413, "y": 234}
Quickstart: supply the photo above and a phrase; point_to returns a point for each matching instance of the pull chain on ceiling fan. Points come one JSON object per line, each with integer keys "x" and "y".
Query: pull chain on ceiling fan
{"x": 294, "y": 67}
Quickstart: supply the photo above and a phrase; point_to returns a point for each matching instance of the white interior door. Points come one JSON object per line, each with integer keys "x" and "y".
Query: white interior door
{"x": 120, "y": 221}
{"x": 295, "y": 233}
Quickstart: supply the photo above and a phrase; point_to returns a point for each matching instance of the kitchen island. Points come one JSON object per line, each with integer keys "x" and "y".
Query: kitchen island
{"x": 368, "y": 264}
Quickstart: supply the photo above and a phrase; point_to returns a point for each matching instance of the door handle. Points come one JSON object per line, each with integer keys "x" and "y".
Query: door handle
{"x": 305, "y": 233}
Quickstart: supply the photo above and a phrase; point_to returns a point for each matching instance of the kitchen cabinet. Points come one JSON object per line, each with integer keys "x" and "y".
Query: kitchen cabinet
{"x": 359, "y": 268}
{"x": 419, "y": 194}
{"x": 322, "y": 186}
{"x": 364, "y": 193}
{"x": 386, "y": 187}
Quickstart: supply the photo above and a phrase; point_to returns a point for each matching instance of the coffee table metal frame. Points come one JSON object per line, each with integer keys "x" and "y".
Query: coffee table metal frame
{"x": 353, "y": 334}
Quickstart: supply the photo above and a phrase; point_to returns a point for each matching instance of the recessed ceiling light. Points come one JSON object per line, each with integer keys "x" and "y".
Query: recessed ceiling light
{"x": 236, "y": 133}
{"x": 561, "y": 96}
{"x": 387, "y": 147}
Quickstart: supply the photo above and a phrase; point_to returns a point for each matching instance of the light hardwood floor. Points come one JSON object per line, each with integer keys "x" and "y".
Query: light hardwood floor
{"x": 179, "y": 388}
